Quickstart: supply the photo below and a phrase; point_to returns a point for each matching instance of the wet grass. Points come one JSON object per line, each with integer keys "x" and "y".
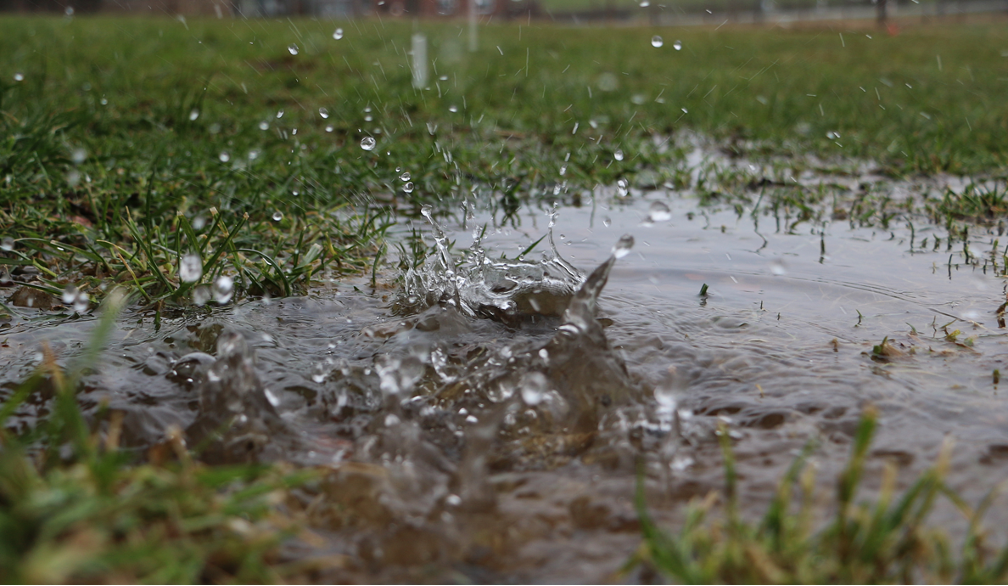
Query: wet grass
{"x": 884, "y": 540}
{"x": 130, "y": 143}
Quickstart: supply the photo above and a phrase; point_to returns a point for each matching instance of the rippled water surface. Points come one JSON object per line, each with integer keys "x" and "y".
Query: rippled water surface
{"x": 491, "y": 436}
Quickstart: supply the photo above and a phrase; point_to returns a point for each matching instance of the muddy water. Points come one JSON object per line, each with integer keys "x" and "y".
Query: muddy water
{"x": 487, "y": 441}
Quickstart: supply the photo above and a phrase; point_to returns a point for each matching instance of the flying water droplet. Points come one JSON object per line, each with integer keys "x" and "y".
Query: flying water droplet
{"x": 329, "y": 128}
{"x": 623, "y": 246}
{"x": 7, "y": 244}
{"x": 618, "y": 155}
{"x": 622, "y": 188}
{"x": 677, "y": 45}
{"x": 657, "y": 41}
{"x": 323, "y": 112}
{"x": 368, "y": 143}
{"x": 190, "y": 268}
{"x": 19, "y": 76}
{"x": 264, "y": 125}
{"x": 193, "y": 114}
{"x": 405, "y": 176}
{"x": 81, "y": 302}
{"x": 279, "y": 114}
{"x": 224, "y": 157}
{"x": 293, "y": 49}
{"x": 277, "y": 216}
{"x": 533, "y": 387}
{"x": 69, "y": 294}
{"x": 78, "y": 156}
{"x": 273, "y": 399}
{"x": 659, "y": 212}
{"x": 453, "y": 108}
{"x": 201, "y": 295}
{"x": 408, "y": 188}
{"x": 337, "y": 34}
{"x": 223, "y": 289}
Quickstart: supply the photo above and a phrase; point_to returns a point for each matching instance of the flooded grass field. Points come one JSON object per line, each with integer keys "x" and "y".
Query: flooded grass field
{"x": 425, "y": 349}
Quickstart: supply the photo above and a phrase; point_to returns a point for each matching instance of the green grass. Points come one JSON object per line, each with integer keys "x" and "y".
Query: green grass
{"x": 106, "y": 178}
{"x": 885, "y": 540}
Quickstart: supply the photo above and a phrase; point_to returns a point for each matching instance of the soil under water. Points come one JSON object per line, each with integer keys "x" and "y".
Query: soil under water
{"x": 486, "y": 422}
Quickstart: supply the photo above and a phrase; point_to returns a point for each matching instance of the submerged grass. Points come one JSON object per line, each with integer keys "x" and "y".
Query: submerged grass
{"x": 885, "y": 541}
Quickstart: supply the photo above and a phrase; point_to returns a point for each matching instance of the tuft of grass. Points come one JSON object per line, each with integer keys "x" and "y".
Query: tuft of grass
{"x": 886, "y": 541}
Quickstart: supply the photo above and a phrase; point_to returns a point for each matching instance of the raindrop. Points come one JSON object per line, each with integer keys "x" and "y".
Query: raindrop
{"x": 329, "y": 128}
{"x": 368, "y": 143}
{"x": 264, "y": 125}
{"x": 199, "y": 222}
{"x": 677, "y": 45}
{"x": 453, "y": 109}
{"x": 657, "y": 41}
{"x": 82, "y": 302}
{"x": 405, "y": 176}
{"x": 623, "y": 246}
{"x": 645, "y": 4}
{"x": 273, "y": 399}
{"x": 223, "y": 289}
{"x": 190, "y": 268}
{"x": 78, "y": 155}
{"x": 368, "y": 118}
{"x": 293, "y": 49}
{"x": 224, "y": 157}
{"x": 193, "y": 114}
{"x": 777, "y": 267}
{"x": 607, "y": 221}
{"x": 69, "y": 11}
{"x": 323, "y": 112}
{"x": 7, "y": 244}
{"x": 277, "y": 216}
{"x": 19, "y": 76}
{"x": 659, "y": 212}
{"x": 253, "y": 154}
{"x": 832, "y": 135}
{"x": 337, "y": 34}
{"x": 279, "y": 114}
{"x": 69, "y": 294}
{"x": 408, "y": 188}
{"x": 618, "y": 154}
{"x": 533, "y": 387}
{"x": 201, "y": 295}
{"x": 622, "y": 188}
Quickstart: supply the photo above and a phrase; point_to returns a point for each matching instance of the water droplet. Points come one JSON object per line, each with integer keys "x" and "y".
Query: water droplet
{"x": 659, "y": 212}
{"x": 453, "y": 109}
{"x": 405, "y": 176}
{"x": 223, "y": 289}
{"x": 533, "y": 387}
{"x": 777, "y": 267}
{"x": 677, "y": 45}
{"x": 623, "y": 246}
{"x": 78, "y": 156}
{"x": 607, "y": 221}
{"x": 190, "y": 268}
{"x": 224, "y": 157}
{"x": 329, "y": 128}
{"x": 69, "y": 11}
{"x": 832, "y": 135}
{"x": 264, "y": 125}
{"x": 337, "y": 34}
{"x": 431, "y": 128}
{"x": 293, "y": 49}
{"x": 368, "y": 118}
{"x": 657, "y": 41}
{"x": 81, "y": 302}
{"x": 201, "y": 295}
{"x": 253, "y": 154}
{"x": 273, "y": 399}
{"x": 277, "y": 216}
{"x": 19, "y": 76}
{"x": 7, "y": 244}
{"x": 368, "y": 143}
{"x": 279, "y": 114}
{"x": 69, "y": 294}
{"x": 199, "y": 222}
{"x": 323, "y": 112}
{"x": 193, "y": 114}
{"x": 618, "y": 154}
{"x": 645, "y": 4}
{"x": 408, "y": 188}
{"x": 622, "y": 188}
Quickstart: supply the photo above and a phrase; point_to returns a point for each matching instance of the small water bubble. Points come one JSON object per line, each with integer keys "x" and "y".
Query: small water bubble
{"x": 607, "y": 221}
{"x": 408, "y": 188}
{"x": 223, "y": 289}
{"x": 368, "y": 143}
{"x": 533, "y": 388}
{"x": 405, "y": 176}
{"x": 677, "y": 45}
{"x": 329, "y": 128}
{"x": 277, "y": 216}
{"x": 69, "y": 294}
{"x": 323, "y": 112}
{"x": 293, "y": 49}
{"x": 623, "y": 246}
{"x": 81, "y": 302}
{"x": 201, "y": 295}
{"x": 622, "y": 188}
{"x": 224, "y": 157}
{"x": 7, "y": 244}
{"x": 103, "y": 101}
{"x": 193, "y": 114}
{"x": 190, "y": 268}
{"x": 337, "y": 34}
{"x": 657, "y": 41}
{"x": 618, "y": 155}
{"x": 279, "y": 114}
{"x": 264, "y": 125}
{"x": 453, "y": 108}
{"x": 659, "y": 212}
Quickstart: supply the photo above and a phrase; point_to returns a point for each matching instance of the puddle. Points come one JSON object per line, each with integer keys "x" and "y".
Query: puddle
{"x": 482, "y": 425}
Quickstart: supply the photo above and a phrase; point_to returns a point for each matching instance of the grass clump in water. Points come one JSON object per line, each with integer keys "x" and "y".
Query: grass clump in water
{"x": 865, "y": 543}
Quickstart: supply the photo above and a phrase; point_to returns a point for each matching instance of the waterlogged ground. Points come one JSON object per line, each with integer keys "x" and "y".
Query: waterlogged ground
{"x": 482, "y": 425}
